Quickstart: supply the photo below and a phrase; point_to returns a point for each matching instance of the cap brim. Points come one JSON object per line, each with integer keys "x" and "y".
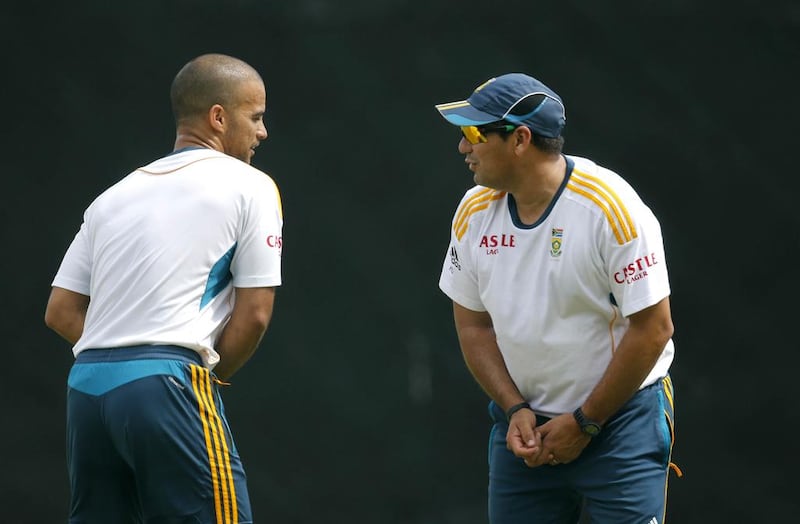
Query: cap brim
{"x": 462, "y": 113}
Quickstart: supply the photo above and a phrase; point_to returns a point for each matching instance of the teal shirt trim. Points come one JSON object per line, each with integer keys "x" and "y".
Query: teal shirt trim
{"x": 97, "y": 378}
{"x": 219, "y": 277}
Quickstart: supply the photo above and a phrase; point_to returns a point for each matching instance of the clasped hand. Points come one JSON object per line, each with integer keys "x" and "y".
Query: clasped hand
{"x": 557, "y": 441}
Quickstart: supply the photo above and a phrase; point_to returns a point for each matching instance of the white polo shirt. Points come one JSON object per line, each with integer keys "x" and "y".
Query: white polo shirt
{"x": 559, "y": 291}
{"x": 160, "y": 251}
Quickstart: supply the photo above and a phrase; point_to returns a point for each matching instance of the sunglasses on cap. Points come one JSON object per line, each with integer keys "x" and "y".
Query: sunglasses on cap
{"x": 475, "y": 134}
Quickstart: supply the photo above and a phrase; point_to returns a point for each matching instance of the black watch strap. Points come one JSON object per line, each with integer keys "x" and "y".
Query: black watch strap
{"x": 516, "y": 407}
{"x": 588, "y": 426}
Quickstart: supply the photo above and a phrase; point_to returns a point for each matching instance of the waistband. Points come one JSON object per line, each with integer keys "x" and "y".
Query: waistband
{"x": 147, "y": 351}
{"x": 497, "y": 414}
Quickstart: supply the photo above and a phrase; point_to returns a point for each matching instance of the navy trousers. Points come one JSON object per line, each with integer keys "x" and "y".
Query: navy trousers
{"x": 148, "y": 442}
{"x": 620, "y": 478}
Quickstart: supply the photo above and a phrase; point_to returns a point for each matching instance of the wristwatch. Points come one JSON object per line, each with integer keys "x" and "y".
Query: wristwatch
{"x": 516, "y": 407}
{"x": 588, "y": 426}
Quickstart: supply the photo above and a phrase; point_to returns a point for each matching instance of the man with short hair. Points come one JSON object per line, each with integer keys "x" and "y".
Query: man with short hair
{"x": 165, "y": 292}
{"x": 558, "y": 278}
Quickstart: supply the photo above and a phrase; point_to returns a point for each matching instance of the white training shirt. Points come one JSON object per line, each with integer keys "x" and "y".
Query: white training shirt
{"x": 160, "y": 251}
{"x": 559, "y": 291}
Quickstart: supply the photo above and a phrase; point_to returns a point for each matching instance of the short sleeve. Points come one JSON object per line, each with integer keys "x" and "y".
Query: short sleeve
{"x": 637, "y": 269}
{"x": 257, "y": 262}
{"x": 458, "y": 279}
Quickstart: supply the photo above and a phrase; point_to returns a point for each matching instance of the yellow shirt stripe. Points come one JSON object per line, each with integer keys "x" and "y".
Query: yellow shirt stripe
{"x": 465, "y": 205}
{"x": 607, "y": 199}
{"x": 477, "y": 202}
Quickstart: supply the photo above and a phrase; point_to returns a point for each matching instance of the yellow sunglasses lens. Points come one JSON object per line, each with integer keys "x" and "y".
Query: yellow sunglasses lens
{"x": 472, "y": 134}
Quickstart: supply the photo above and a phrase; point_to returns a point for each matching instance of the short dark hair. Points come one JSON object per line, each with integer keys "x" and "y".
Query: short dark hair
{"x": 547, "y": 144}
{"x": 207, "y": 80}
{"x": 542, "y": 143}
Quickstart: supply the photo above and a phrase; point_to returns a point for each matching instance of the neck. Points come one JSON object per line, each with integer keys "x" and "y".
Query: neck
{"x": 537, "y": 189}
{"x": 188, "y": 138}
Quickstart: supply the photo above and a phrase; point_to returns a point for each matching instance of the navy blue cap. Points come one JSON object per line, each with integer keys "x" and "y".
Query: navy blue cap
{"x": 513, "y": 97}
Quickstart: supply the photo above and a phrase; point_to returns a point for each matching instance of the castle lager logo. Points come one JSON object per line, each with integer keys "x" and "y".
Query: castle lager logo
{"x": 636, "y": 270}
{"x": 493, "y": 243}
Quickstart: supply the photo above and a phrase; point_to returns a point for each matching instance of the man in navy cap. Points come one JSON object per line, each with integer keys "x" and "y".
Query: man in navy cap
{"x": 558, "y": 277}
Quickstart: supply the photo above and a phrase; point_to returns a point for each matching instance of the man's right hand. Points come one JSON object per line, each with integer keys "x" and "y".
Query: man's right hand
{"x": 523, "y": 439}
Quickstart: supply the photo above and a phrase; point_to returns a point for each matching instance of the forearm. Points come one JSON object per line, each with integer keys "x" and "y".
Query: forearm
{"x": 484, "y": 360}
{"x": 486, "y": 363}
{"x": 241, "y": 335}
{"x": 625, "y": 373}
{"x": 236, "y": 344}
{"x": 70, "y": 329}
{"x": 634, "y": 358}
{"x": 66, "y": 313}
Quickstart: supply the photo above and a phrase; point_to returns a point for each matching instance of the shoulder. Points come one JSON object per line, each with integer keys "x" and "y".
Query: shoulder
{"x": 108, "y": 197}
{"x": 258, "y": 187}
{"x": 248, "y": 174}
{"x": 257, "y": 176}
{"x": 609, "y": 196}
{"x": 590, "y": 175}
{"x": 477, "y": 199}
{"x": 200, "y": 159}
{"x": 475, "y": 203}
{"x": 211, "y": 164}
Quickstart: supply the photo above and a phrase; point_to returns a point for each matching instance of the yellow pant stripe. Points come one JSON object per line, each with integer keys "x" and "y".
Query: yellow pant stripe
{"x": 217, "y": 447}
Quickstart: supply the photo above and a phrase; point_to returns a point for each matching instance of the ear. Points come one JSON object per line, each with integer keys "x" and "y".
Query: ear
{"x": 217, "y": 117}
{"x": 522, "y": 137}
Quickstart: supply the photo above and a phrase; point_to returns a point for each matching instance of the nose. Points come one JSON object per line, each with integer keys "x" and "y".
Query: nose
{"x": 464, "y": 146}
{"x": 261, "y": 133}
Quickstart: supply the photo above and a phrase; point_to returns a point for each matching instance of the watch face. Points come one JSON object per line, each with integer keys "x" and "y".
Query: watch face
{"x": 591, "y": 429}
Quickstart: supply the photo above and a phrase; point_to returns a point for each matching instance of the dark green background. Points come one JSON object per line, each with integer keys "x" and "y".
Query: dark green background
{"x": 357, "y": 408}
